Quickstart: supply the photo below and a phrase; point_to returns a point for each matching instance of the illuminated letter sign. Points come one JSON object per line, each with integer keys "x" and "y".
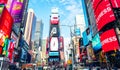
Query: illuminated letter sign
{"x": 54, "y": 31}
{"x": 109, "y": 41}
{"x": 103, "y": 14}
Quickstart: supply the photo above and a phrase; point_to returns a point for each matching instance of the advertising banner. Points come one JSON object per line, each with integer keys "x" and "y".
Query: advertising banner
{"x": 15, "y": 38}
{"x": 3, "y": 1}
{"x": 6, "y": 22}
{"x": 54, "y": 30}
{"x": 61, "y": 42}
{"x": 1, "y": 8}
{"x": 103, "y": 14}
{"x": 109, "y": 40}
{"x": 77, "y": 31}
{"x": 85, "y": 39}
{"x": 96, "y": 44}
{"x": 54, "y": 19}
{"x": 95, "y": 3}
{"x": 17, "y": 11}
{"x": 53, "y": 53}
{"x": 115, "y": 3}
{"x": 54, "y": 44}
{"x": 62, "y": 55}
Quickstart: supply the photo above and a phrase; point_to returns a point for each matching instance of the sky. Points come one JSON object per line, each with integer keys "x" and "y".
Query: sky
{"x": 68, "y": 9}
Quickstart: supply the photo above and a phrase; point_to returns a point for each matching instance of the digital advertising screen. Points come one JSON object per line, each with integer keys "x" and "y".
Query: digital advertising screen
{"x": 61, "y": 42}
{"x": 3, "y": 1}
{"x": 53, "y": 53}
{"x": 17, "y": 11}
{"x": 54, "y": 30}
{"x": 54, "y": 19}
{"x": 115, "y": 3}
{"x": 103, "y": 14}
{"x": 95, "y": 3}
{"x": 109, "y": 40}
{"x": 6, "y": 22}
{"x": 54, "y": 44}
{"x": 85, "y": 39}
{"x": 96, "y": 44}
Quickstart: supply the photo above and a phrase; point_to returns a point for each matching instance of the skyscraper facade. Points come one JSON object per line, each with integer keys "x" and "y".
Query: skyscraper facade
{"x": 30, "y": 26}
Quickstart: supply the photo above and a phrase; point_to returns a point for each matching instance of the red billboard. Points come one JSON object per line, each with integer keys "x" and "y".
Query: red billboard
{"x": 61, "y": 42}
{"x": 6, "y": 22}
{"x": 95, "y": 3}
{"x": 103, "y": 14}
{"x": 3, "y": 1}
{"x": 115, "y": 3}
{"x": 109, "y": 40}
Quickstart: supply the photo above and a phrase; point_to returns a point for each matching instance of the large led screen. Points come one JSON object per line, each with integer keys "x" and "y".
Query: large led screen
{"x": 6, "y": 22}
{"x": 54, "y": 19}
{"x": 109, "y": 40}
{"x": 17, "y": 11}
{"x": 3, "y": 1}
{"x": 115, "y": 3}
{"x": 95, "y": 3}
{"x": 85, "y": 39}
{"x": 96, "y": 44}
{"x": 54, "y": 44}
{"x": 53, "y": 53}
{"x": 103, "y": 14}
{"x": 54, "y": 30}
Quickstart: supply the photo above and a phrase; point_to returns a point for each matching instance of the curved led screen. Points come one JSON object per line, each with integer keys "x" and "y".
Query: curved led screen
{"x": 103, "y": 14}
{"x": 109, "y": 40}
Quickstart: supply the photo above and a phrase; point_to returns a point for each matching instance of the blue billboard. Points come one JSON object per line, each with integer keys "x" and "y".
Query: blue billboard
{"x": 77, "y": 31}
{"x": 53, "y": 53}
{"x": 85, "y": 38}
{"x": 96, "y": 44}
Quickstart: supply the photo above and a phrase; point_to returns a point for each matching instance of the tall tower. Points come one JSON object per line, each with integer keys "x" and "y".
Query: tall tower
{"x": 30, "y": 26}
{"x": 55, "y": 42}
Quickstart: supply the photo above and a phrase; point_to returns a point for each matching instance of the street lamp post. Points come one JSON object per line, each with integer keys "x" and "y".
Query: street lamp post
{"x": 71, "y": 44}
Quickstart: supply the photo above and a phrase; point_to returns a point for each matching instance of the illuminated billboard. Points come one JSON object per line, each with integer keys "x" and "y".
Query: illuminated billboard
{"x": 115, "y": 3}
{"x": 109, "y": 40}
{"x": 54, "y": 44}
{"x": 103, "y": 14}
{"x": 54, "y": 30}
{"x": 85, "y": 39}
{"x": 53, "y": 53}
{"x": 6, "y": 22}
{"x": 17, "y": 11}
{"x": 3, "y": 1}
{"x": 95, "y": 3}
{"x": 54, "y": 19}
{"x": 61, "y": 42}
{"x": 96, "y": 44}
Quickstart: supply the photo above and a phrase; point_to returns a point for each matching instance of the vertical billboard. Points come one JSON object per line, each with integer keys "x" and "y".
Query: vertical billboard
{"x": 54, "y": 44}
{"x": 6, "y": 22}
{"x": 16, "y": 11}
{"x": 96, "y": 44}
{"x": 1, "y": 8}
{"x": 61, "y": 42}
{"x": 115, "y": 3}
{"x": 109, "y": 41}
{"x": 85, "y": 39}
{"x": 103, "y": 13}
